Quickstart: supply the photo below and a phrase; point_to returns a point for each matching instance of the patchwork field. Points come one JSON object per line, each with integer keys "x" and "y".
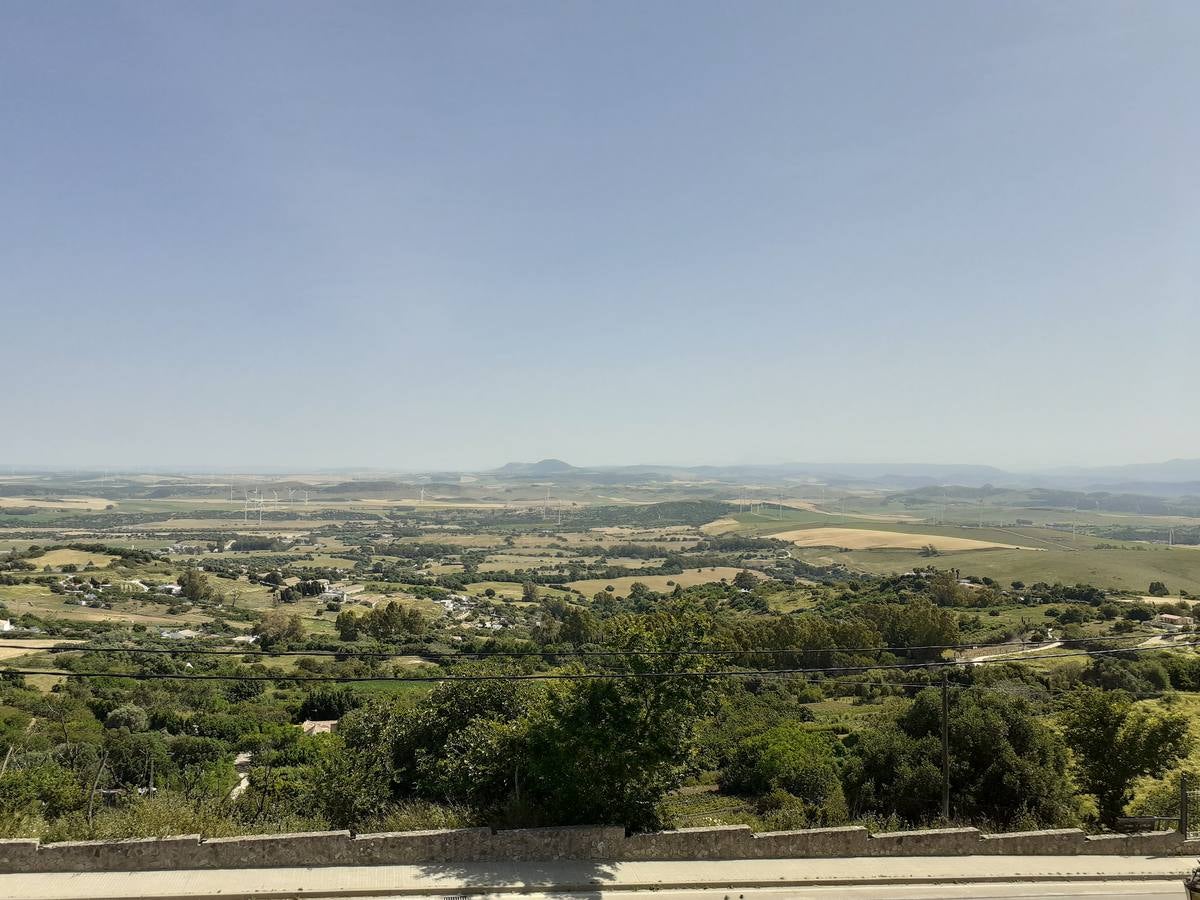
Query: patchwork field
{"x": 871, "y": 517}
{"x": 870, "y": 539}
{"x": 508, "y": 590}
{"x": 67, "y": 557}
{"x": 68, "y": 503}
{"x": 1121, "y": 569}
{"x": 661, "y": 583}
{"x": 17, "y": 652}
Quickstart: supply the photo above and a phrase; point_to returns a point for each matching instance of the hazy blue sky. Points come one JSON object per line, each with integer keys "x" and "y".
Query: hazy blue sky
{"x": 449, "y": 234}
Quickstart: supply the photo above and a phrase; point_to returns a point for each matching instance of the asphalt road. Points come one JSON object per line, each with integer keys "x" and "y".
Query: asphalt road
{"x": 869, "y": 878}
{"x": 1114, "y": 890}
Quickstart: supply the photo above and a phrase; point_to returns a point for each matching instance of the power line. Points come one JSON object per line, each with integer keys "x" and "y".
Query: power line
{"x": 485, "y": 654}
{"x": 420, "y": 679}
{"x": 580, "y": 676}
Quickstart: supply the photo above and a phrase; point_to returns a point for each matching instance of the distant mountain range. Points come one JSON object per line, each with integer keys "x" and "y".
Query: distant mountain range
{"x": 541, "y": 467}
{"x": 1177, "y": 477}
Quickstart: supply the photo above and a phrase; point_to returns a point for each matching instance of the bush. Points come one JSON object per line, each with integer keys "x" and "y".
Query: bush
{"x": 128, "y": 716}
{"x": 786, "y": 758}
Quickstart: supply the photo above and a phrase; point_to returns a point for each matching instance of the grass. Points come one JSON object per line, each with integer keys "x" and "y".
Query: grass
{"x": 39, "y": 601}
{"x": 511, "y": 590}
{"x": 87, "y": 504}
{"x": 64, "y": 556}
{"x": 1123, "y": 569}
{"x": 659, "y": 583}
{"x": 870, "y": 539}
{"x": 19, "y": 656}
{"x": 324, "y": 561}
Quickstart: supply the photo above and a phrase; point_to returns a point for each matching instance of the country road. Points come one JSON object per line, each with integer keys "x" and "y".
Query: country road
{"x": 1013, "y": 654}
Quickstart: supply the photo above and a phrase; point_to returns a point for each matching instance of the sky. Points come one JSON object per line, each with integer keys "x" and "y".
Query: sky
{"x": 446, "y": 235}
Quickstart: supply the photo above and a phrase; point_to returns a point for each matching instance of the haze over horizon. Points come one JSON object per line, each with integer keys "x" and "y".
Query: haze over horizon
{"x": 451, "y": 236}
{"x": 1173, "y": 470}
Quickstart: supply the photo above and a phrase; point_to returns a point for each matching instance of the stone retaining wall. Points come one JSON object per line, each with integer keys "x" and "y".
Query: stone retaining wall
{"x": 340, "y": 848}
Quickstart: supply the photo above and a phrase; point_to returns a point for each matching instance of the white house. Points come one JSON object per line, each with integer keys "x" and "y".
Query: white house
{"x": 6, "y": 625}
{"x": 1174, "y": 623}
{"x": 183, "y": 634}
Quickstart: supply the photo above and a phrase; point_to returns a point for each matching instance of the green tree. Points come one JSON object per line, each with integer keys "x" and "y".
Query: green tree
{"x": 278, "y": 627}
{"x": 1116, "y": 742}
{"x": 1005, "y": 764}
{"x": 1158, "y": 589}
{"x": 918, "y": 623}
{"x": 347, "y": 626}
{"x": 602, "y": 750}
{"x": 745, "y": 580}
{"x": 195, "y": 587}
{"x": 609, "y": 750}
{"x": 129, "y": 716}
{"x": 944, "y": 590}
{"x": 393, "y": 622}
{"x": 328, "y": 703}
{"x": 41, "y": 791}
{"x": 788, "y": 758}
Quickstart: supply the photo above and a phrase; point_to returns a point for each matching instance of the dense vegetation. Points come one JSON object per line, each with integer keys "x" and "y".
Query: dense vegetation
{"x": 624, "y": 665}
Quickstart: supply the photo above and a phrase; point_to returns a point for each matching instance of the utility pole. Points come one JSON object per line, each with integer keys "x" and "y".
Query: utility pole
{"x": 1183, "y": 805}
{"x": 945, "y": 750}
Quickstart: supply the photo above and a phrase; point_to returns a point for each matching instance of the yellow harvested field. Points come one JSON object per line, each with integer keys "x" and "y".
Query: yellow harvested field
{"x": 458, "y": 539}
{"x": 867, "y": 539}
{"x": 14, "y": 652}
{"x": 628, "y": 562}
{"x": 68, "y": 557}
{"x": 430, "y": 504}
{"x": 1151, "y": 600}
{"x": 171, "y": 525}
{"x": 56, "y": 503}
{"x": 810, "y": 506}
{"x": 719, "y": 526}
{"x": 658, "y": 583}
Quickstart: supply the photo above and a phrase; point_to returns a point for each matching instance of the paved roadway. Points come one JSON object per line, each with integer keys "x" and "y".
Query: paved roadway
{"x": 1107, "y": 890}
{"x": 908, "y": 878}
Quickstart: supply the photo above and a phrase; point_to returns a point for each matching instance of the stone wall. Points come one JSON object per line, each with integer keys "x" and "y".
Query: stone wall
{"x": 340, "y": 848}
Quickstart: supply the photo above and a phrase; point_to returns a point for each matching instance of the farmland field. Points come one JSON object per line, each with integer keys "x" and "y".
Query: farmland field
{"x": 56, "y": 559}
{"x": 868, "y": 539}
{"x": 64, "y": 503}
{"x": 1122, "y": 569}
{"x": 663, "y": 583}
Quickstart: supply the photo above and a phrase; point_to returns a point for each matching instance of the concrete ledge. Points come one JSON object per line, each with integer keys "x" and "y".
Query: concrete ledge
{"x": 582, "y": 845}
{"x": 814, "y": 842}
{"x": 19, "y": 855}
{"x": 132, "y": 854}
{"x": 584, "y": 842}
{"x": 315, "y": 848}
{"x": 1148, "y": 843}
{"x": 930, "y": 842}
{"x": 1054, "y": 842}
{"x": 410, "y": 847}
{"x": 721, "y": 842}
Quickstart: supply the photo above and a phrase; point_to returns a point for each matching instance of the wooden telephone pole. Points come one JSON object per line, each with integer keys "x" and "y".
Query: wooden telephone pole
{"x": 945, "y": 749}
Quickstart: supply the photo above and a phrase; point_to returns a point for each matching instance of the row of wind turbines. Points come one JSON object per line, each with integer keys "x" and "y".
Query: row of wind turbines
{"x": 251, "y": 499}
